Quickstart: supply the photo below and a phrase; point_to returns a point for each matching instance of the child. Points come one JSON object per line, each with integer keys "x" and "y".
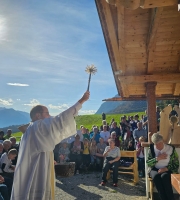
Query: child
{"x": 86, "y": 154}
{"x": 127, "y": 136}
{"x": 93, "y": 151}
{"x": 140, "y": 157}
{"x": 64, "y": 153}
{"x": 130, "y": 146}
{"x": 100, "y": 150}
{"x": 6, "y": 164}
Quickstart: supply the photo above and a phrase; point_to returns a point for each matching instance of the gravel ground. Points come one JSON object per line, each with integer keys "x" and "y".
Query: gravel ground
{"x": 86, "y": 186}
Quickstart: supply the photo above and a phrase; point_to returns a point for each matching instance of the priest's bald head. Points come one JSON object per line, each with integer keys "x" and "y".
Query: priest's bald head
{"x": 39, "y": 112}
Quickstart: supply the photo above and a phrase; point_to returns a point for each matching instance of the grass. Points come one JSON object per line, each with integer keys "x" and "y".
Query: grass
{"x": 89, "y": 120}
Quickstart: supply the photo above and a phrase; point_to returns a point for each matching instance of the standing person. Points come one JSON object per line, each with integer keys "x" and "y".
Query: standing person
{"x": 158, "y": 116}
{"x": 139, "y": 132}
{"x": 145, "y": 121}
{"x": 8, "y": 134}
{"x": 95, "y": 135}
{"x": 34, "y": 176}
{"x": 84, "y": 133}
{"x": 103, "y": 116}
{"x": 140, "y": 157}
{"x": 123, "y": 125}
{"x": 105, "y": 134}
{"x": 104, "y": 123}
{"x": 116, "y": 129}
{"x": 1, "y": 136}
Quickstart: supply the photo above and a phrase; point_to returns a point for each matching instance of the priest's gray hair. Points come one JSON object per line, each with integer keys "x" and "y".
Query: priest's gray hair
{"x": 156, "y": 137}
{"x": 35, "y": 110}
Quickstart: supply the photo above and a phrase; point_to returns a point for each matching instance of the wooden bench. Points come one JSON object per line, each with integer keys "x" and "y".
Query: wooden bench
{"x": 151, "y": 186}
{"x": 133, "y": 167}
{"x": 175, "y": 181}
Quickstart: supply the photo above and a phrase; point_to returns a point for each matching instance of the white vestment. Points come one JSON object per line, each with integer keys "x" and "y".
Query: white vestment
{"x": 34, "y": 177}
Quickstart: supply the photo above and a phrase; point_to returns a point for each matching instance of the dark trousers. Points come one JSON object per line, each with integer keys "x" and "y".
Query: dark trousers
{"x": 86, "y": 160}
{"x": 4, "y": 192}
{"x": 141, "y": 164}
{"x": 8, "y": 182}
{"x": 106, "y": 168}
{"x": 77, "y": 158}
{"x": 163, "y": 184}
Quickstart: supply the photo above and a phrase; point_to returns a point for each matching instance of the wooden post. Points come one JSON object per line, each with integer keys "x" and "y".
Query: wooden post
{"x": 151, "y": 106}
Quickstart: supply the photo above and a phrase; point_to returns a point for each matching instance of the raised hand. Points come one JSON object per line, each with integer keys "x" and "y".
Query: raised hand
{"x": 85, "y": 97}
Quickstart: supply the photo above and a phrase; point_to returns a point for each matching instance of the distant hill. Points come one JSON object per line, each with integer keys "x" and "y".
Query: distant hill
{"x": 114, "y": 107}
{"x": 9, "y": 117}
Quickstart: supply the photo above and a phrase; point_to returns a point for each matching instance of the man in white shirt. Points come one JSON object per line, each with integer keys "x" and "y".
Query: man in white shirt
{"x": 34, "y": 176}
{"x": 105, "y": 134}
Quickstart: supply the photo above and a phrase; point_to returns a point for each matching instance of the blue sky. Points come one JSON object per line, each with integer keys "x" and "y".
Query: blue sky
{"x": 45, "y": 47}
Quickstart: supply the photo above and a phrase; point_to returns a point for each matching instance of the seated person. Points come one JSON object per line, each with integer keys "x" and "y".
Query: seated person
{"x": 1, "y": 149}
{"x": 76, "y": 149}
{"x": 86, "y": 154}
{"x": 1, "y": 136}
{"x": 4, "y": 195}
{"x": 95, "y": 135}
{"x": 93, "y": 151}
{"x": 14, "y": 146}
{"x": 6, "y": 145}
{"x": 64, "y": 153}
{"x": 99, "y": 155}
{"x": 112, "y": 157}
{"x": 6, "y": 163}
{"x": 162, "y": 161}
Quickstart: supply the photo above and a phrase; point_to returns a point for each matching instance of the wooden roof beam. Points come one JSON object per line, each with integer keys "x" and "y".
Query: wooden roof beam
{"x": 151, "y": 38}
{"x": 168, "y": 78}
{"x": 109, "y": 35}
{"x": 111, "y": 31}
{"x": 121, "y": 45}
{"x": 157, "y": 3}
{"x": 142, "y": 98}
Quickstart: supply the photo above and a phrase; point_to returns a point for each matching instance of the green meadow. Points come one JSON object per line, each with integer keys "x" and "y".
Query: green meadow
{"x": 89, "y": 120}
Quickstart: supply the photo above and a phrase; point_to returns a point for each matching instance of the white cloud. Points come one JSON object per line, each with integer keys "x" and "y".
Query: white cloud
{"x": 6, "y": 102}
{"x": 32, "y": 103}
{"x": 87, "y": 112}
{"x": 60, "y": 107}
{"x": 18, "y": 84}
{"x": 18, "y": 99}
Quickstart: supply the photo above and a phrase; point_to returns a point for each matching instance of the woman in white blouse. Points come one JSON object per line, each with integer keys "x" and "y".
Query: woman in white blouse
{"x": 162, "y": 161}
{"x": 111, "y": 160}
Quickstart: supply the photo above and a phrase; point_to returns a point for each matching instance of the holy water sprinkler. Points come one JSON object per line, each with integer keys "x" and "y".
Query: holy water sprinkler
{"x": 90, "y": 70}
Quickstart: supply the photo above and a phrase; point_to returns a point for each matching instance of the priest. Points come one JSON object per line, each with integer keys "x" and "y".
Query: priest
{"x": 34, "y": 177}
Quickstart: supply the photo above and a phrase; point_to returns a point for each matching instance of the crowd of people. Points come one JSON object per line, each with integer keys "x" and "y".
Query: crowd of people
{"x": 89, "y": 148}
{"x": 8, "y": 158}
{"x": 96, "y": 149}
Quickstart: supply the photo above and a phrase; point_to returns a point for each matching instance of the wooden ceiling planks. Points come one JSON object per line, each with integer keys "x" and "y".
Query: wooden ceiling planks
{"x": 147, "y": 46}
